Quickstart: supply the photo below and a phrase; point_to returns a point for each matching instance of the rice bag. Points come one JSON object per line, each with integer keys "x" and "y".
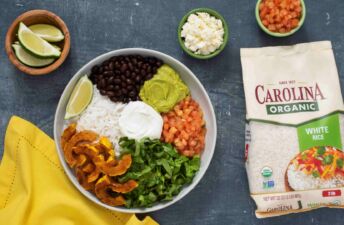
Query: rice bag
{"x": 295, "y": 128}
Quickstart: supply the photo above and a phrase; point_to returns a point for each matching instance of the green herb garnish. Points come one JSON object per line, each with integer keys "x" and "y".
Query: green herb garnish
{"x": 340, "y": 163}
{"x": 321, "y": 150}
{"x": 315, "y": 174}
{"x": 158, "y": 168}
{"x": 328, "y": 160}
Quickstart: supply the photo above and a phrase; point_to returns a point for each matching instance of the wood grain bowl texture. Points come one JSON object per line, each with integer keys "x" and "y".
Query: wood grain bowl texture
{"x": 35, "y": 17}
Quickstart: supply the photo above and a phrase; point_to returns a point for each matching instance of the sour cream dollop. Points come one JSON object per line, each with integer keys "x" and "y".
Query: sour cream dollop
{"x": 139, "y": 120}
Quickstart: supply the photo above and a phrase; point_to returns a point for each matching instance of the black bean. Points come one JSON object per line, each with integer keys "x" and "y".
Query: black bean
{"x": 158, "y": 63}
{"x": 114, "y": 99}
{"x": 131, "y": 67}
{"x": 110, "y": 87}
{"x": 148, "y": 77}
{"x": 124, "y": 67}
{"x": 111, "y": 79}
{"x": 102, "y": 83}
{"x": 95, "y": 69}
{"x": 132, "y": 94}
{"x": 110, "y": 93}
{"x": 107, "y": 73}
{"x": 112, "y": 66}
{"x": 143, "y": 73}
{"x": 137, "y": 78}
{"x": 121, "y": 77}
{"x": 117, "y": 81}
{"x": 105, "y": 63}
{"x": 152, "y": 61}
{"x": 118, "y": 93}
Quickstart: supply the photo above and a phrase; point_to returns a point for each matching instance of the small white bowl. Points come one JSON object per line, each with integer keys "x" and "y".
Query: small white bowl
{"x": 198, "y": 93}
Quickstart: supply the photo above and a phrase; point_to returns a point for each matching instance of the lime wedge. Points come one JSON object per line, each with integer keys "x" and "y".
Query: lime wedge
{"x": 34, "y": 44}
{"x": 28, "y": 59}
{"x": 47, "y": 32}
{"x": 55, "y": 46}
{"x": 81, "y": 97}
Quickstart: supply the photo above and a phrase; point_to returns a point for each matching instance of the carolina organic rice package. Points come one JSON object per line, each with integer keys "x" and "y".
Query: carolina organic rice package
{"x": 295, "y": 128}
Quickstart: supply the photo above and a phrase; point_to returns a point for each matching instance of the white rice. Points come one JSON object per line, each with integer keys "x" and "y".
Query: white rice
{"x": 101, "y": 116}
{"x": 265, "y": 140}
{"x": 299, "y": 181}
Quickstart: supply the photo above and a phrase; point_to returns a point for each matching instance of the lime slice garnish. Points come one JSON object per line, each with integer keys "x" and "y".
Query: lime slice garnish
{"x": 35, "y": 44}
{"x": 28, "y": 59}
{"x": 81, "y": 97}
{"x": 55, "y": 46}
{"x": 47, "y": 32}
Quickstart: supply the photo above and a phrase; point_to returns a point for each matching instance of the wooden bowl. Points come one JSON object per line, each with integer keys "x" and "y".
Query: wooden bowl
{"x": 36, "y": 17}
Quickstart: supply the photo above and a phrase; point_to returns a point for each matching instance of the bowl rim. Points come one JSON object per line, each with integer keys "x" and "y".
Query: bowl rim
{"x": 37, "y": 70}
{"x": 276, "y": 34}
{"x": 212, "y": 13}
{"x": 72, "y": 82}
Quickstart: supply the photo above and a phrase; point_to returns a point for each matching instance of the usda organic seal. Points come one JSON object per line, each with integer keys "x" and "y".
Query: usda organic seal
{"x": 266, "y": 171}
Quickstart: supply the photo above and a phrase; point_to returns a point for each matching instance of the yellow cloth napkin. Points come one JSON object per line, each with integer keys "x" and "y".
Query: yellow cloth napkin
{"x": 35, "y": 190}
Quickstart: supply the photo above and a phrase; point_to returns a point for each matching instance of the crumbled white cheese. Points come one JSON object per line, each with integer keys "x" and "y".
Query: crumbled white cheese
{"x": 202, "y": 33}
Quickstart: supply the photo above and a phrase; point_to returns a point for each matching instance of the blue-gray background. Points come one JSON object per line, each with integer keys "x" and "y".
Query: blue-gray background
{"x": 99, "y": 26}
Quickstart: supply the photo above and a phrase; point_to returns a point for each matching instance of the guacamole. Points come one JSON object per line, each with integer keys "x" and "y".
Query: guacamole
{"x": 164, "y": 90}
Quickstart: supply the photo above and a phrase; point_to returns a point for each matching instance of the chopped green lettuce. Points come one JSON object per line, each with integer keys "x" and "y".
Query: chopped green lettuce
{"x": 158, "y": 168}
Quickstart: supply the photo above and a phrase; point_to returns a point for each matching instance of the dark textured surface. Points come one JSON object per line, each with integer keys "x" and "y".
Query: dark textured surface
{"x": 98, "y": 26}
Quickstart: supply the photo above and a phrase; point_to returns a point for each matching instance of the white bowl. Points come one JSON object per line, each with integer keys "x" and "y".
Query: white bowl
{"x": 198, "y": 93}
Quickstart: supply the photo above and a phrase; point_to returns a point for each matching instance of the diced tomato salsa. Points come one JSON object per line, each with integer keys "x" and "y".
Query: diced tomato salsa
{"x": 280, "y": 16}
{"x": 184, "y": 127}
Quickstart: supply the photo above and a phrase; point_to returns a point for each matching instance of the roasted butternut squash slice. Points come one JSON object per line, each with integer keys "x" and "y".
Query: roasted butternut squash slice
{"x": 79, "y": 138}
{"x": 82, "y": 179}
{"x": 67, "y": 134}
{"x": 88, "y": 168}
{"x": 102, "y": 188}
{"x": 120, "y": 168}
{"x": 125, "y": 187}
